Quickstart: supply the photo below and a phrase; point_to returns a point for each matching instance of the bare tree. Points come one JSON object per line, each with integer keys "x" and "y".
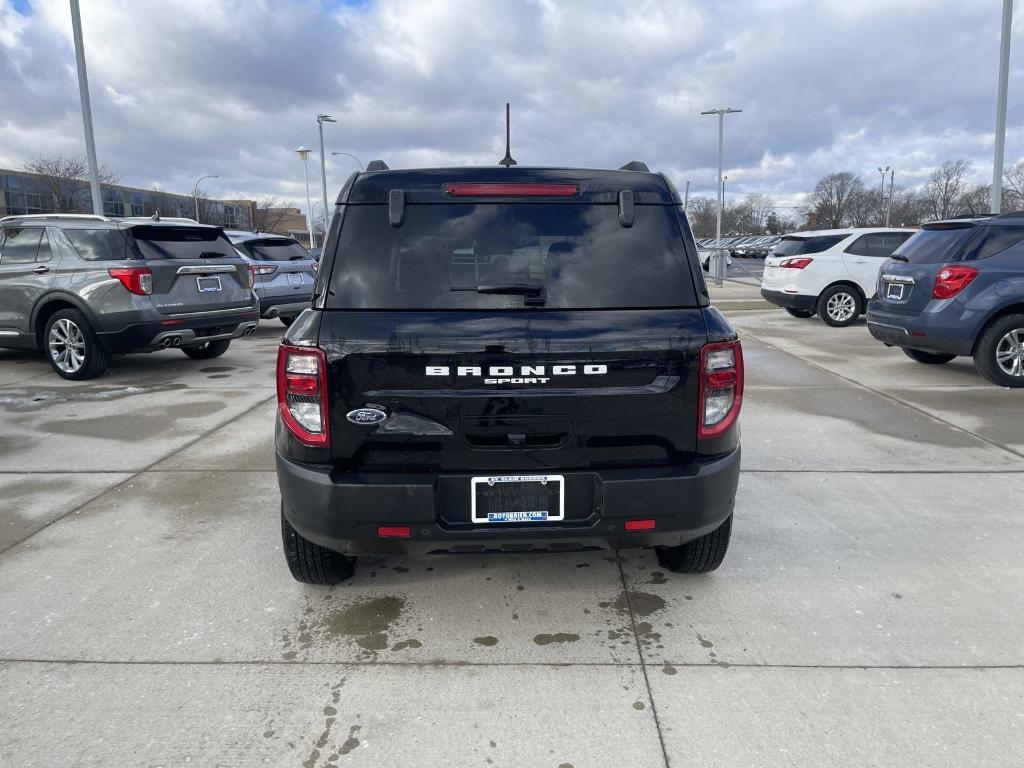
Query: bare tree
{"x": 270, "y": 212}
{"x": 759, "y": 208}
{"x": 1013, "y": 187}
{"x": 945, "y": 188}
{"x": 702, "y": 214}
{"x": 832, "y": 199}
{"x": 976, "y": 199}
{"x": 66, "y": 180}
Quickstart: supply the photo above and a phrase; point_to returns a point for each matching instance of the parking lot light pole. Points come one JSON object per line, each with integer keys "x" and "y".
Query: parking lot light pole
{"x": 195, "y": 192}
{"x": 1004, "y": 75}
{"x": 303, "y": 154}
{"x": 719, "y": 261}
{"x": 320, "y": 120}
{"x": 349, "y": 154}
{"x": 888, "y": 210}
{"x": 83, "y": 89}
{"x": 881, "y": 194}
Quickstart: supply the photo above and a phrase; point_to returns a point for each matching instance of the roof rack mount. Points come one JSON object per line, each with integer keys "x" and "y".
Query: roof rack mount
{"x": 635, "y": 165}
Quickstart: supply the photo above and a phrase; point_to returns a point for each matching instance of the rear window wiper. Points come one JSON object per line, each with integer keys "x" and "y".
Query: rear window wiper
{"x": 533, "y": 293}
{"x": 900, "y": 258}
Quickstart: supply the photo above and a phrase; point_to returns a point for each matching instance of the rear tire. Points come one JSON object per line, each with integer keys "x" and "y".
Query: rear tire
{"x": 839, "y": 306}
{"x": 700, "y": 555}
{"x": 928, "y": 358}
{"x": 803, "y": 314}
{"x": 310, "y": 563}
{"x": 286, "y": 321}
{"x": 999, "y": 354}
{"x": 72, "y": 347}
{"x": 209, "y": 350}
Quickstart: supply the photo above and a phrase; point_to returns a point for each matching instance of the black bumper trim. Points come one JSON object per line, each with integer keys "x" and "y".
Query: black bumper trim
{"x": 140, "y": 336}
{"x": 790, "y": 300}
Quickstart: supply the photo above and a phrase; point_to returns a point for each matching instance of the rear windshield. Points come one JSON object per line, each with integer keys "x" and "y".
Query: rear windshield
{"x": 935, "y": 244}
{"x": 181, "y": 243}
{"x": 275, "y": 249}
{"x": 798, "y": 246}
{"x": 99, "y": 244}
{"x": 510, "y": 256}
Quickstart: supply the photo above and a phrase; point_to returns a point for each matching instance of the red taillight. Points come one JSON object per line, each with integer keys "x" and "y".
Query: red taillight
{"x": 951, "y": 280}
{"x": 138, "y": 280}
{"x": 721, "y": 387}
{"x": 265, "y": 269}
{"x": 252, "y": 276}
{"x": 394, "y": 531}
{"x": 797, "y": 263}
{"x": 302, "y": 394}
{"x": 510, "y": 190}
{"x": 640, "y": 525}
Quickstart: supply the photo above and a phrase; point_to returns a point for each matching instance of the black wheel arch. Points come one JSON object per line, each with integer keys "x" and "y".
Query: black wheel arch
{"x": 52, "y": 303}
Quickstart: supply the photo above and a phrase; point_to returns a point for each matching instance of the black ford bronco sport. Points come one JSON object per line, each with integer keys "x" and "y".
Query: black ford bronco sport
{"x": 507, "y": 359}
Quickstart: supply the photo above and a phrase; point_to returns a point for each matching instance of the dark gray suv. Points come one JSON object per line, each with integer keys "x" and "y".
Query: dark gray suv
{"x": 957, "y": 288}
{"x": 81, "y": 288}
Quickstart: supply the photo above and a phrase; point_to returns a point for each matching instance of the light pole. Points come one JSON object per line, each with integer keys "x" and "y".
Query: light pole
{"x": 724, "y": 179}
{"x": 315, "y": 204}
{"x": 320, "y": 120}
{"x": 1004, "y": 74}
{"x": 195, "y": 191}
{"x": 719, "y": 261}
{"x": 881, "y": 193}
{"x": 686, "y": 199}
{"x": 83, "y": 90}
{"x": 303, "y": 154}
{"x": 349, "y": 154}
{"x": 888, "y": 210}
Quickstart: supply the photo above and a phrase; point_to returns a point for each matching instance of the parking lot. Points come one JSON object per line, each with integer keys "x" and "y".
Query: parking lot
{"x": 868, "y": 613}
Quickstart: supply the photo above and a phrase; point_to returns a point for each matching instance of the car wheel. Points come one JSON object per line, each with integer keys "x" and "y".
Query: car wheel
{"x": 286, "y": 321}
{"x": 207, "y": 350}
{"x": 72, "y": 347}
{"x": 999, "y": 355}
{"x": 700, "y": 555}
{"x": 839, "y": 306}
{"x": 801, "y": 313}
{"x": 928, "y": 358}
{"x": 310, "y": 563}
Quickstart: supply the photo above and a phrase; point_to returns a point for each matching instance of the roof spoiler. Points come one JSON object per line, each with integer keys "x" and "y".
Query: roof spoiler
{"x": 635, "y": 165}
{"x": 376, "y": 165}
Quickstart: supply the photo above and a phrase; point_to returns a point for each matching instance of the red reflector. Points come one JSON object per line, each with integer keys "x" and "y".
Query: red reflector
{"x": 301, "y": 384}
{"x": 640, "y": 525}
{"x": 394, "y": 531}
{"x": 510, "y": 190}
{"x": 171, "y": 322}
{"x": 722, "y": 379}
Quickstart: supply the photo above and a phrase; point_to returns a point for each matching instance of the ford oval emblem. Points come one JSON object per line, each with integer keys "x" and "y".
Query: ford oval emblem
{"x": 366, "y": 416}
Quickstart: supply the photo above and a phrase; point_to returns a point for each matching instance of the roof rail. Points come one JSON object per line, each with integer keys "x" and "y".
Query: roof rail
{"x": 635, "y": 165}
{"x": 377, "y": 165}
{"x": 968, "y": 216}
{"x": 76, "y": 216}
{"x": 1011, "y": 215}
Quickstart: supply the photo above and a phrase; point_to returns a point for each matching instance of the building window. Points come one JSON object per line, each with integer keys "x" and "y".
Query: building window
{"x": 113, "y": 203}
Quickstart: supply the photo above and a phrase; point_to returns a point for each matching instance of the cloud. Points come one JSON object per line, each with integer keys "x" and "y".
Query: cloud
{"x": 192, "y": 87}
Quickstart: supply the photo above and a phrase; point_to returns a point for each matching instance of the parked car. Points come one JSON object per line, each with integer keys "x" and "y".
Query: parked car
{"x": 956, "y": 288}
{"x": 475, "y": 375}
{"x": 704, "y": 253}
{"x": 829, "y": 272}
{"x": 81, "y": 288}
{"x": 285, "y": 273}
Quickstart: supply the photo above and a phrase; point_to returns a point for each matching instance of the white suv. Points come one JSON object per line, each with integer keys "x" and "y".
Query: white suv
{"x": 832, "y": 272}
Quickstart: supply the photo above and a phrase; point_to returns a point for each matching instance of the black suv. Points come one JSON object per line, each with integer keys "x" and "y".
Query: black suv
{"x": 507, "y": 360}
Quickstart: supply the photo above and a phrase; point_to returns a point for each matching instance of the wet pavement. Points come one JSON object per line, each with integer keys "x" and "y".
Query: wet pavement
{"x": 868, "y": 612}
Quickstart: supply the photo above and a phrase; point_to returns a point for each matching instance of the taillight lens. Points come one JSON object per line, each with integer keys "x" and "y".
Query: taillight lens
{"x": 266, "y": 269}
{"x": 138, "y": 280}
{"x": 252, "y": 276}
{"x": 951, "y": 280}
{"x": 797, "y": 263}
{"x": 721, "y": 387}
{"x": 302, "y": 393}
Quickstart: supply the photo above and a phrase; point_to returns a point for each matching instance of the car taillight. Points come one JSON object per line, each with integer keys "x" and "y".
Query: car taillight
{"x": 138, "y": 280}
{"x": 798, "y": 263}
{"x": 951, "y": 280}
{"x": 252, "y": 276}
{"x": 510, "y": 190}
{"x": 721, "y": 387}
{"x": 265, "y": 269}
{"x": 302, "y": 393}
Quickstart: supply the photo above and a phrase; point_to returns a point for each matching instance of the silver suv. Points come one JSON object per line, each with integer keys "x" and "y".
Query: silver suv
{"x": 82, "y": 288}
{"x": 285, "y": 273}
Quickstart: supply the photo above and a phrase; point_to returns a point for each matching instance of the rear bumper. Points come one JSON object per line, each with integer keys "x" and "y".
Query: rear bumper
{"x": 939, "y": 328}
{"x": 342, "y": 511}
{"x": 181, "y": 331}
{"x": 276, "y": 306}
{"x": 790, "y": 300}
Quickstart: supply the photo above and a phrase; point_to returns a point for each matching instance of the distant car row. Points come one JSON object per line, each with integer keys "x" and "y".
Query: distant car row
{"x": 952, "y": 288}
{"x": 753, "y": 246}
{"x": 81, "y": 288}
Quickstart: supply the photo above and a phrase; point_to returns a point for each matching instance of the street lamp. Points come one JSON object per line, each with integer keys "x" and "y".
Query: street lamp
{"x": 349, "y": 154}
{"x": 83, "y": 90}
{"x": 195, "y": 191}
{"x": 320, "y": 120}
{"x": 719, "y": 261}
{"x": 1004, "y": 75}
{"x": 303, "y": 154}
{"x": 881, "y": 193}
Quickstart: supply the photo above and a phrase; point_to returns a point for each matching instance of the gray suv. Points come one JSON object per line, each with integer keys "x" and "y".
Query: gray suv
{"x": 285, "y": 273}
{"x": 81, "y": 288}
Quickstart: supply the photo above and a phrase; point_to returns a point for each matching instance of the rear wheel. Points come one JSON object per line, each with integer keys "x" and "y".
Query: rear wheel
{"x": 928, "y": 358}
{"x": 72, "y": 347}
{"x": 839, "y": 306}
{"x": 310, "y": 563}
{"x": 700, "y": 555}
{"x": 999, "y": 355}
{"x": 287, "y": 320}
{"x": 207, "y": 350}
{"x": 801, "y": 313}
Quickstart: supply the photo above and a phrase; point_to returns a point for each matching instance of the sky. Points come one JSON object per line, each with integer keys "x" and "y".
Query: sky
{"x": 185, "y": 88}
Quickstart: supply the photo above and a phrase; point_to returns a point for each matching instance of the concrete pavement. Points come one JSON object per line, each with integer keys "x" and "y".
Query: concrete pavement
{"x": 868, "y": 612}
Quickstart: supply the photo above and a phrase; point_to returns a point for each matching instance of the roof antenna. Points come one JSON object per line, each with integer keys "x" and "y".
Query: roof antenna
{"x": 507, "y": 160}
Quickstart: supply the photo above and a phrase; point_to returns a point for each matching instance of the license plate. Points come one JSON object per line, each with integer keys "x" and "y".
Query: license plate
{"x": 295, "y": 279}
{"x": 518, "y": 498}
{"x": 208, "y": 284}
{"x": 894, "y": 291}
